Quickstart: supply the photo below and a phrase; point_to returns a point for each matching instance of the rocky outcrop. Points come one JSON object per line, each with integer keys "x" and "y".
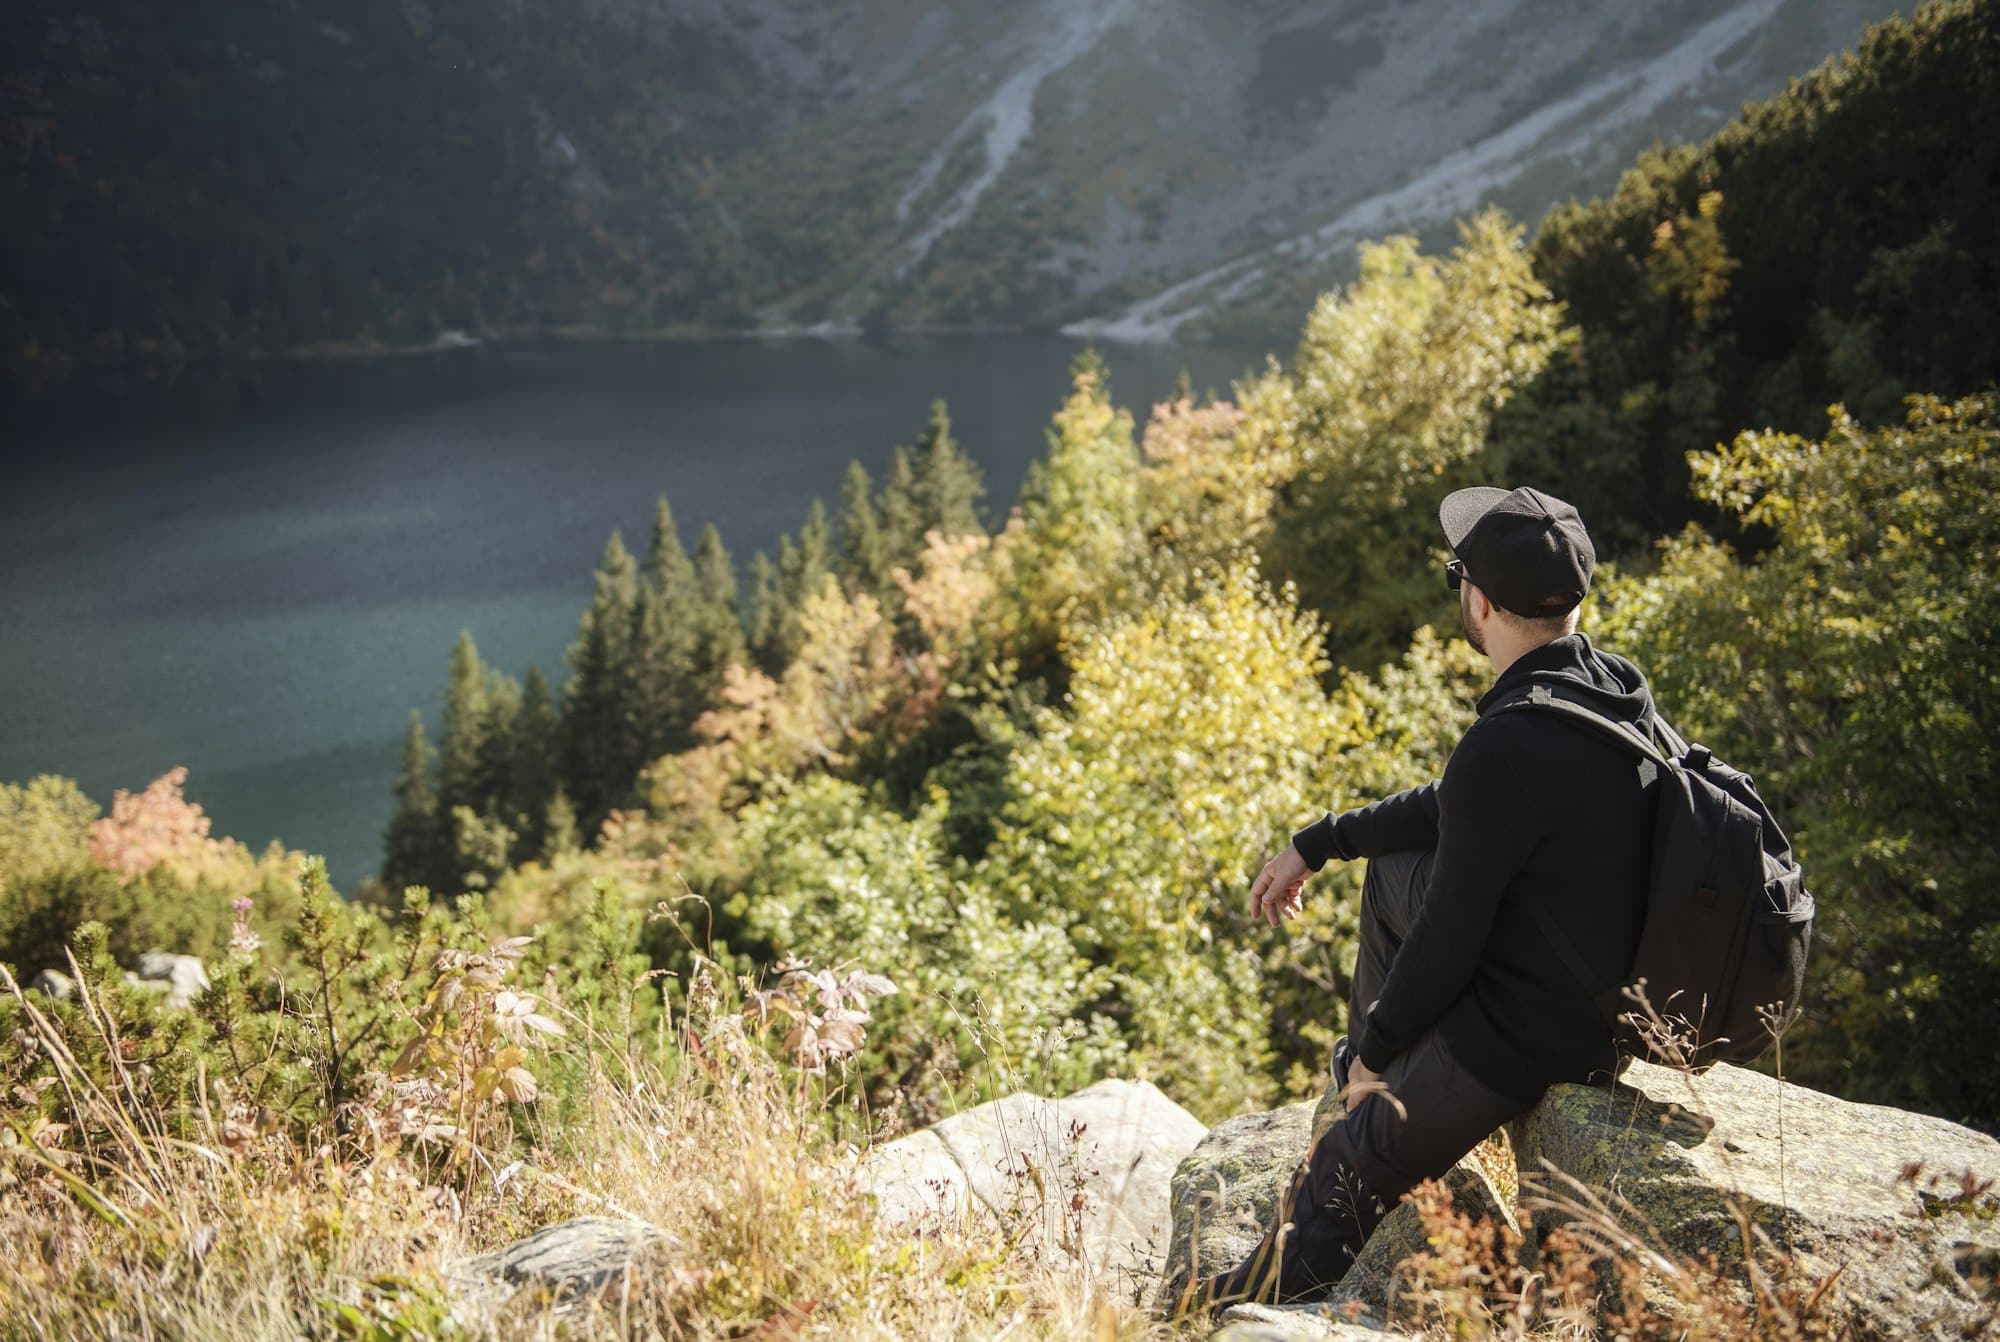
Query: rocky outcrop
{"x": 1224, "y": 1196}
{"x": 180, "y": 977}
{"x": 53, "y": 983}
{"x": 1084, "y": 1177}
{"x": 1902, "y": 1205}
{"x": 1897, "y": 1210}
{"x": 568, "y": 1261}
{"x": 1292, "y": 1323}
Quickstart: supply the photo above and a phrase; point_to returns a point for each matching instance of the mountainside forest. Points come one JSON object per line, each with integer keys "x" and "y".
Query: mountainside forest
{"x": 202, "y": 178}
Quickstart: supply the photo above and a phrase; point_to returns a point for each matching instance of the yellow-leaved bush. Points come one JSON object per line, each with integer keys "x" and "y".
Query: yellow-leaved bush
{"x": 1197, "y": 735}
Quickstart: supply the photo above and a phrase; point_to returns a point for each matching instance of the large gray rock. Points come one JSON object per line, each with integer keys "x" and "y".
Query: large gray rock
{"x": 55, "y": 984}
{"x": 1084, "y": 1177}
{"x": 1817, "y": 1173}
{"x": 1225, "y": 1193}
{"x": 570, "y": 1260}
{"x": 1292, "y": 1323}
{"x": 181, "y": 977}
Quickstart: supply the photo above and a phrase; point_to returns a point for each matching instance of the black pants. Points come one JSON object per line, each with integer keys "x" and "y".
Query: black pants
{"x": 1366, "y": 1160}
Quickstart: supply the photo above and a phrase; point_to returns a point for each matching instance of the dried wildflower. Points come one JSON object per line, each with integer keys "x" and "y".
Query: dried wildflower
{"x": 828, "y": 1013}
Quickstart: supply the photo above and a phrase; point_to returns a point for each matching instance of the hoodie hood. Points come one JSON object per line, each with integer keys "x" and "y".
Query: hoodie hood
{"x": 1615, "y": 686}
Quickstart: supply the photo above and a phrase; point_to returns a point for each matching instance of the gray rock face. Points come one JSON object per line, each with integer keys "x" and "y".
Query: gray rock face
{"x": 1225, "y": 1193}
{"x": 1088, "y": 1174}
{"x": 1292, "y": 1323}
{"x": 181, "y": 976}
{"x": 1817, "y": 1173}
{"x": 570, "y": 1259}
{"x": 54, "y": 983}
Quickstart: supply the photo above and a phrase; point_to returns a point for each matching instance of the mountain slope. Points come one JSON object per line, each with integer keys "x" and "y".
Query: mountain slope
{"x": 201, "y": 177}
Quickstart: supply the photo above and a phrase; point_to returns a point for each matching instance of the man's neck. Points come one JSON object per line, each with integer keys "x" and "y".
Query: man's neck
{"x": 1503, "y": 648}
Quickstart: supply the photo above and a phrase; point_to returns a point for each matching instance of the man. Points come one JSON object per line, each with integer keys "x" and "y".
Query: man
{"x": 1460, "y": 1008}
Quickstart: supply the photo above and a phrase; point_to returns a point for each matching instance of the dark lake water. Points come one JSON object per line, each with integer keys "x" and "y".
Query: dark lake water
{"x": 258, "y": 572}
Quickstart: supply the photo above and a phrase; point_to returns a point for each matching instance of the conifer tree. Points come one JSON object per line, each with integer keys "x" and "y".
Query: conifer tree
{"x": 462, "y": 733}
{"x": 900, "y": 509}
{"x": 414, "y": 843}
{"x": 802, "y": 569}
{"x": 864, "y": 554}
{"x": 494, "y": 781}
{"x": 813, "y": 558}
{"x": 558, "y": 826}
{"x": 766, "y": 605}
{"x": 597, "y": 735}
{"x": 948, "y": 482}
{"x": 668, "y": 568}
{"x": 536, "y": 741}
{"x": 721, "y": 624}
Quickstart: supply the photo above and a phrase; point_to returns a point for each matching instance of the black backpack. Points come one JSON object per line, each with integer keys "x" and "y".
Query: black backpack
{"x": 1722, "y": 949}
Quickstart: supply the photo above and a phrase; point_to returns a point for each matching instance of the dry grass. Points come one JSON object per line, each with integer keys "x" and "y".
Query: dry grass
{"x": 765, "y": 1228}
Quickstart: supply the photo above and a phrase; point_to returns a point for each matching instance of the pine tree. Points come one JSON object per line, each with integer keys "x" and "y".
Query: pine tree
{"x": 802, "y": 570}
{"x": 864, "y": 554}
{"x": 558, "y": 826}
{"x": 948, "y": 482}
{"x": 767, "y": 606}
{"x": 414, "y": 844}
{"x": 721, "y": 642}
{"x": 462, "y": 733}
{"x": 813, "y": 559}
{"x": 494, "y": 781}
{"x": 900, "y": 511}
{"x": 597, "y": 735}
{"x": 668, "y": 568}
{"x": 536, "y": 741}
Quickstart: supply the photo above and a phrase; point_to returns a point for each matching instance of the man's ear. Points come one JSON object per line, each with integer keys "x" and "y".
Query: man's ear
{"x": 1482, "y": 607}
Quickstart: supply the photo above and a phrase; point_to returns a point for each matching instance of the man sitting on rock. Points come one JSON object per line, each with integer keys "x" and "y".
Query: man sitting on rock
{"x": 1461, "y": 1010}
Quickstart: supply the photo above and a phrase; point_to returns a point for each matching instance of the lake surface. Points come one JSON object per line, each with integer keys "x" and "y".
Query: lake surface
{"x": 257, "y": 572}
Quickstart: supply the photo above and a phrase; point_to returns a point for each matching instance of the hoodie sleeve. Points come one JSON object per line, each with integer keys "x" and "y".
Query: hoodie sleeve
{"x": 1483, "y": 840}
{"x": 1405, "y": 820}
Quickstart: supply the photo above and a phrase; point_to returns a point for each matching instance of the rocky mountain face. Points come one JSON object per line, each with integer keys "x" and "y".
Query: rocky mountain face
{"x": 200, "y": 176}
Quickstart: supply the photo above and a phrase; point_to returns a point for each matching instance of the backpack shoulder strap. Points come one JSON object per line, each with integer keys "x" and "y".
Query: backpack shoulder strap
{"x": 1624, "y": 733}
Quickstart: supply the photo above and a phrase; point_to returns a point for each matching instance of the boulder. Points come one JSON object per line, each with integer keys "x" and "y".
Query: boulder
{"x": 1084, "y": 1177}
{"x": 1224, "y": 1195}
{"x": 1823, "y": 1176}
{"x": 55, "y": 984}
{"x": 569, "y": 1260}
{"x": 180, "y": 976}
{"x": 1292, "y": 1323}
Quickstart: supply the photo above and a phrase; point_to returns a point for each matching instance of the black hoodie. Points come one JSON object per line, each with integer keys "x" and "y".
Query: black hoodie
{"x": 1531, "y": 808}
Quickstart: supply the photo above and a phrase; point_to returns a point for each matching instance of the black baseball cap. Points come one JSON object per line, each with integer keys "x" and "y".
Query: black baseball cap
{"x": 1525, "y": 549}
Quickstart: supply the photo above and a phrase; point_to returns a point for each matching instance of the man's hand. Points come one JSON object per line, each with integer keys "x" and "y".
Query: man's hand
{"x": 1361, "y": 1083}
{"x": 1279, "y": 891}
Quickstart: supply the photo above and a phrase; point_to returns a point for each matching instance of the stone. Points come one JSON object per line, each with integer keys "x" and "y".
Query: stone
{"x": 1084, "y": 1177}
{"x": 181, "y": 976}
{"x": 1291, "y": 1323}
{"x": 1374, "y": 1280}
{"x": 1819, "y": 1174}
{"x": 568, "y": 1260}
{"x": 55, "y": 984}
{"x": 1224, "y": 1195}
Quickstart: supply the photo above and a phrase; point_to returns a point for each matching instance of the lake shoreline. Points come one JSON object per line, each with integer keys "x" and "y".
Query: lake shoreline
{"x": 51, "y": 372}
